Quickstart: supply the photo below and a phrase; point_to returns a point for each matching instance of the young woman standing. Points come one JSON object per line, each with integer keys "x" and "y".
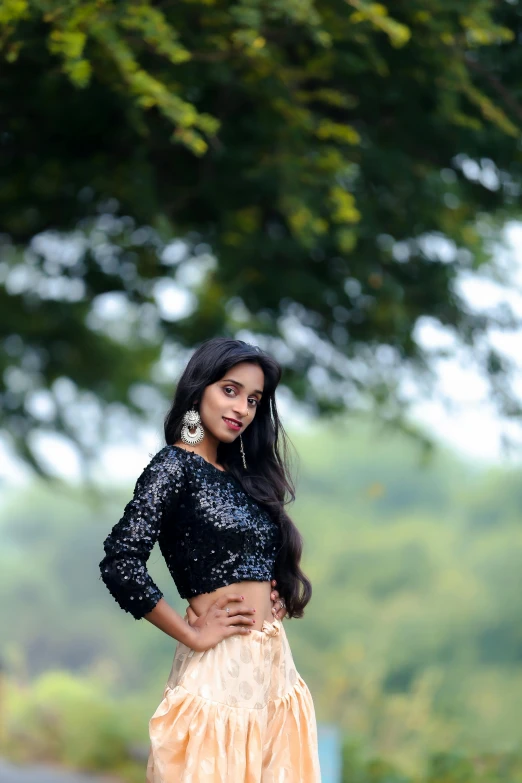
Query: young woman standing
{"x": 235, "y": 709}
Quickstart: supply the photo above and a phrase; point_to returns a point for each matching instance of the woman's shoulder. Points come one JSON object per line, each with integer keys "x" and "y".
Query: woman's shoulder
{"x": 168, "y": 459}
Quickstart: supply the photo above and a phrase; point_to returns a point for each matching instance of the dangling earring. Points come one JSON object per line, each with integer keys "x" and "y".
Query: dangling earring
{"x": 242, "y": 451}
{"x": 192, "y": 419}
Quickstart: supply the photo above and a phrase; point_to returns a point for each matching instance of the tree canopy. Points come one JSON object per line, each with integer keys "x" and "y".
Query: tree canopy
{"x": 316, "y": 173}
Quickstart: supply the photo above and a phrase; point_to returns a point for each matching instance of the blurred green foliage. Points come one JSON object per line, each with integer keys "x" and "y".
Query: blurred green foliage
{"x": 63, "y": 717}
{"x": 66, "y": 719}
{"x": 440, "y": 768}
{"x": 412, "y": 642}
{"x": 343, "y": 161}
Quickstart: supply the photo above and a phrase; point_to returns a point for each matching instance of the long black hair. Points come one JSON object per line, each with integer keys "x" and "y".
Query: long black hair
{"x": 267, "y": 477}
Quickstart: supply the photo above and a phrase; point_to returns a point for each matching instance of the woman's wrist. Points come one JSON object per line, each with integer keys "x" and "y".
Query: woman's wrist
{"x": 164, "y": 617}
{"x": 190, "y": 636}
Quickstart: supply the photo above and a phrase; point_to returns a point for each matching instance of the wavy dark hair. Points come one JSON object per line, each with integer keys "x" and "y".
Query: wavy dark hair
{"x": 267, "y": 477}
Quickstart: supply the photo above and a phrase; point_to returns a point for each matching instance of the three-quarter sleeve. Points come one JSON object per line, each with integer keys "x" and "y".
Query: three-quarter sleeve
{"x": 130, "y": 542}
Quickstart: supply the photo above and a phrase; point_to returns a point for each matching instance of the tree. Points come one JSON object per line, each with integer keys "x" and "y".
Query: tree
{"x": 343, "y": 161}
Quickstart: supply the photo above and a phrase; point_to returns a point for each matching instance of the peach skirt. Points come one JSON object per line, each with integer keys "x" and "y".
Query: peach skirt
{"x": 237, "y": 713}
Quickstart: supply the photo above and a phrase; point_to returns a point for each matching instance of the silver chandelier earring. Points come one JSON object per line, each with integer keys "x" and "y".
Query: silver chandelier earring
{"x": 242, "y": 451}
{"x": 192, "y": 420}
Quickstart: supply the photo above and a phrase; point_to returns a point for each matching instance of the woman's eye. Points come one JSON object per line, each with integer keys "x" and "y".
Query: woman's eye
{"x": 250, "y": 399}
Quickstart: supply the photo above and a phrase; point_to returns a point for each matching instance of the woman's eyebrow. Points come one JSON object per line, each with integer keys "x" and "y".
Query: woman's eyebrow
{"x": 238, "y": 383}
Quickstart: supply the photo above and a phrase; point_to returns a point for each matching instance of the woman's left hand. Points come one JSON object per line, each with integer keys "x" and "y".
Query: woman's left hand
{"x": 278, "y": 611}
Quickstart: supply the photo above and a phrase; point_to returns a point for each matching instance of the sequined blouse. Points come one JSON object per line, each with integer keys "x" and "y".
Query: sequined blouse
{"x": 210, "y": 531}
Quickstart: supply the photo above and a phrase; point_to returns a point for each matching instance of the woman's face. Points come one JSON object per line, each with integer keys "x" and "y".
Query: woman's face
{"x": 234, "y": 398}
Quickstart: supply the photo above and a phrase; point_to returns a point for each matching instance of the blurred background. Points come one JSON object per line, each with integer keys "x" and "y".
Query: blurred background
{"x": 338, "y": 183}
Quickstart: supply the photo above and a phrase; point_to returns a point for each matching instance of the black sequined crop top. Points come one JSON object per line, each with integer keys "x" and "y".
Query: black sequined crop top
{"x": 209, "y": 530}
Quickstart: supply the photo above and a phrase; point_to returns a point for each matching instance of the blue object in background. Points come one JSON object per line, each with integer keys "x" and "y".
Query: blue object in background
{"x": 329, "y": 753}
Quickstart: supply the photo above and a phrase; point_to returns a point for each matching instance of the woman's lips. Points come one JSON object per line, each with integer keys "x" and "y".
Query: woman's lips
{"x": 232, "y": 424}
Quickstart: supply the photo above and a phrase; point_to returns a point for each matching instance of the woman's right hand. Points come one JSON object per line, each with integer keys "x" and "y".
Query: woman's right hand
{"x": 216, "y": 624}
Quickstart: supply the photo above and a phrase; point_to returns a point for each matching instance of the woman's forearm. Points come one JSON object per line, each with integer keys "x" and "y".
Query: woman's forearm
{"x": 164, "y": 617}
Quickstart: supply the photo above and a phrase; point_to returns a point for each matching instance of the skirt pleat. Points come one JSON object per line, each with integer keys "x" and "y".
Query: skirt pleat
{"x": 237, "y": 713}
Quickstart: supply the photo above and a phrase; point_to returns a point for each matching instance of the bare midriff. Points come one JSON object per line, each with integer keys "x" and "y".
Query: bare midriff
{"x": 256, "y": 596}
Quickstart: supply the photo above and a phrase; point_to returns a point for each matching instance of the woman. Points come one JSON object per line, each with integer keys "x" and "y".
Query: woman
{"x": 234, "y": 710}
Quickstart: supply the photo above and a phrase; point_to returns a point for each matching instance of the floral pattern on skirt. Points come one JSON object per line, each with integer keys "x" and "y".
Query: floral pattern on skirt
{"x": 237, "y": 713}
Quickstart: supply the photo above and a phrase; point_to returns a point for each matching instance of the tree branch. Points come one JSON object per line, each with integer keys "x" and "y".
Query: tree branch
{"x": 497, "y": 85}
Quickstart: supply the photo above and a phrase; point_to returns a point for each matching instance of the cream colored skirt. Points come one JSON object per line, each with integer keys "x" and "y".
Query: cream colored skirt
{"x": 237, "y": 713}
